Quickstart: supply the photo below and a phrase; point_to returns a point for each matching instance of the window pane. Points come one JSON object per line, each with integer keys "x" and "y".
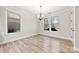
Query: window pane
{"x": 46, "y": 24}
{"x": 54, "y": 23}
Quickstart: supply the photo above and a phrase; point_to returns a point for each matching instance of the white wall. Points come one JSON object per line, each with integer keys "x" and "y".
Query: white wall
{"x": 28, "y": 24}
{"x": 2, "y": 15}
{"x": 64, "y": 30}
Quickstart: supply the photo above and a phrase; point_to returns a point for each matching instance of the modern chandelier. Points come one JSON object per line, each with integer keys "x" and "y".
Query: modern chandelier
{"x": 40, "y": 17}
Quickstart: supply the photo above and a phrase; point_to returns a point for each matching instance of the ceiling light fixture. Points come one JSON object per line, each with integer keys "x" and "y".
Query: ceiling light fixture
{"x": 40, "y": 17}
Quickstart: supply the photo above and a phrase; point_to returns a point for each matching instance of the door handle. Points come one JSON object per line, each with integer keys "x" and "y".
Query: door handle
{"x": 72, "y": 29}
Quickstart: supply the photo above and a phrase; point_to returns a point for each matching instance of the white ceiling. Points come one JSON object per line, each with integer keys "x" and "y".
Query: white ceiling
{"x": 45, "y": 9}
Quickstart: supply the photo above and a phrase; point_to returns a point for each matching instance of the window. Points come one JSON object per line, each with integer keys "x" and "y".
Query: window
{"x": 54, "y": 23}
{"x": 46, "y": 24}
{"x": 51, "y": 23}
{"x": 13, "y": 22}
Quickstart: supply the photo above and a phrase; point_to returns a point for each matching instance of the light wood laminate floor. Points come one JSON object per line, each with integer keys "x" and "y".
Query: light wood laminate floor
{"x": 38, "y": 44}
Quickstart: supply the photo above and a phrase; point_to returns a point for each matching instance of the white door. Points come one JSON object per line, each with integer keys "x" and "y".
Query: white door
{"x": 72, "y": 31}
{"x": 77, "y": 28}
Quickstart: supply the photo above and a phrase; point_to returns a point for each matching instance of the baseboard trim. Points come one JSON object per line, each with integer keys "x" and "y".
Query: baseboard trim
{"x": 7, "y": 41}
{"x": 76, "y": 49}
{"x": 58, "y": 37}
